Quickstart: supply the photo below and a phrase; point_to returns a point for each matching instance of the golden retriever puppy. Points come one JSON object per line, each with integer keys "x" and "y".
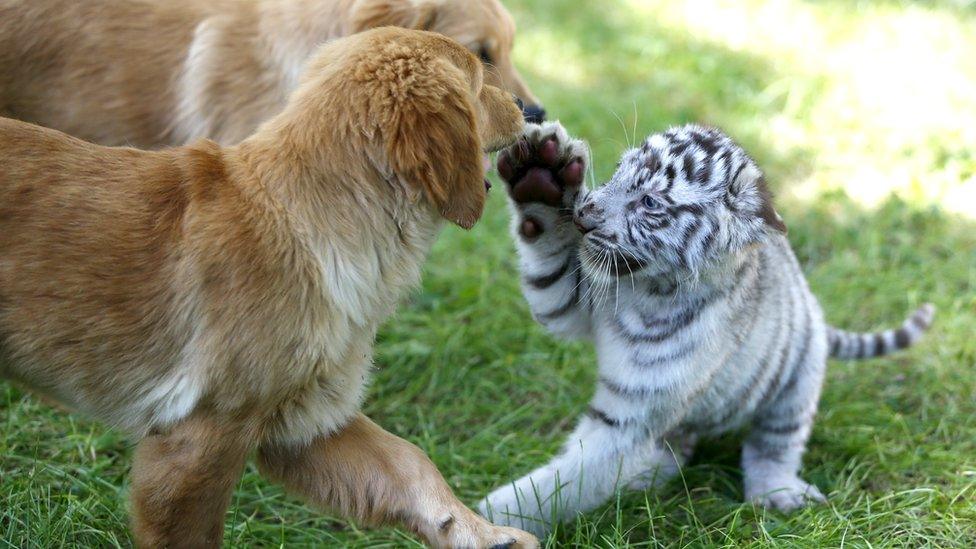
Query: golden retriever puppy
{"x": 215, "y": 300}
{"x": 150, "y": 73}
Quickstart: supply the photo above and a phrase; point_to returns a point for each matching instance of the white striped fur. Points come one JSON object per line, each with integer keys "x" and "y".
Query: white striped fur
{"x": 702, "y": 319}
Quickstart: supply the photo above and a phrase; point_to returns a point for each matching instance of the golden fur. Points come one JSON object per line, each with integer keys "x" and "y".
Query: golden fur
{"x": 149, "y": 73}
{"x": 212, "y": 300}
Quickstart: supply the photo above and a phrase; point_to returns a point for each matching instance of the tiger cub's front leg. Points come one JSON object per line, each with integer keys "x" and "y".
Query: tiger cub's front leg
{"x": 544, "y": 172}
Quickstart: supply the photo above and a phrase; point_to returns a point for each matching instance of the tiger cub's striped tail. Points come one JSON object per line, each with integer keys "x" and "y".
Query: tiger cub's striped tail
{"x": 849, "y": 345}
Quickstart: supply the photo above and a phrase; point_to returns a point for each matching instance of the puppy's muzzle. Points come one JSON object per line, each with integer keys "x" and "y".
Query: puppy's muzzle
{"x": 533, "y": 114}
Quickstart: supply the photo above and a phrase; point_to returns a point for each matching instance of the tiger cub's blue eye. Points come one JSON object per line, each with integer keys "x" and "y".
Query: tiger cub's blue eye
{"x": 650, "y": 203}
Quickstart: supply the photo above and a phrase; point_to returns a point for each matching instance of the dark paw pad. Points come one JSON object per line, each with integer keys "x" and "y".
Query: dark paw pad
{"x": 544, "y": 166}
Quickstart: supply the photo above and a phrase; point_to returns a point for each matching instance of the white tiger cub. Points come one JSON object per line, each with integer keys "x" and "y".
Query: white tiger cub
{"x": 679, "y": 271}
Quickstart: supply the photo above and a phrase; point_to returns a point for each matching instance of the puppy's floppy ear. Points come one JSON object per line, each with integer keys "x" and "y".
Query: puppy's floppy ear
{"x": 410, "y": 14}
{"x": 435, "y": 144}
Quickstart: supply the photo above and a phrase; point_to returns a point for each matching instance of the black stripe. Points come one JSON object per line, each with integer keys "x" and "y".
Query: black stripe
{"x": 668, "y": 184}
{"x": 669, "y": 327}
{"x": 690, "y": 231}
{"x": 879, "y": 345}
{"x": 782, "y": 429}
{"x": 732, "y": 189}
{"x": 859, "y": 349}
{"x": 627, "y": 261}
{"x": 835, "y": 338}
{"x": 695, "y": 209}
{"x": 770, "y": 450}
{"x": 705, "y": 171}
{"x": 545, "y": 281}
{"x": 709, "y": 144}
{"x": 647, "y": 364}
{"x": 566, "y": 307}
{"x": 709, "y": 239}
{"x": 678, "y": 148}
{"x": 654, "y": 224}
{"x": 604, "y": 238}
{"x": 626, "y": 392}
{"x": 601, "y": 416}
{"x": 689, "y": 167}
{"x": 669, "y": 173}
{"x": 728, "y": 203}
{"x": 651, "y": 163}
{"x": 661, "y": 287}
{"x": 664, "y": 327}
{"x": 902, "y": 338}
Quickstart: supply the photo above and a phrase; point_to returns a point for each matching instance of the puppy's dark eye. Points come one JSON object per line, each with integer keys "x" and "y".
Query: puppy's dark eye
{"x": 485, "y": 56}
{"x": 650, "y": 203}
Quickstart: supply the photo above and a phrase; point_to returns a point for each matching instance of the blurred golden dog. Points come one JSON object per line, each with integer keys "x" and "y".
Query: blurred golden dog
{"x": 214, "y": 300}
{"x": 149, "y": 73}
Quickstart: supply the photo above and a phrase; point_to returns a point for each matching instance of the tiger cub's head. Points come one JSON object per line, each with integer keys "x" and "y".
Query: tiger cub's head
{"x": 684, "y": 200}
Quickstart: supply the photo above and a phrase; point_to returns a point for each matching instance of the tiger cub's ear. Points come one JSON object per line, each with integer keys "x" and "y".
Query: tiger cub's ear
{"x": 750, "y": 193}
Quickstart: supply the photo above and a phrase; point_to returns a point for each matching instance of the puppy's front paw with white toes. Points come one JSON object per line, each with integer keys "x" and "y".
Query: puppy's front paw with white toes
{"x": 466, "y": 529}
{"x": 513, "y": 538}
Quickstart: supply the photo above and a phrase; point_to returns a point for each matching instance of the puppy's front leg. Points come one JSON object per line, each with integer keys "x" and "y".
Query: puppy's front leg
{"x": 367, "y": 473}
{"x": 182, "y": 481}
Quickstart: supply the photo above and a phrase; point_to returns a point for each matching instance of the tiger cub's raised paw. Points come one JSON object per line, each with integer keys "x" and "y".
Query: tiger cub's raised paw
{"x": 544, "y": 168}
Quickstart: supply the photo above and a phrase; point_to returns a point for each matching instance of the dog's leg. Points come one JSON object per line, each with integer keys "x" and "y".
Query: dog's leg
{"x": 367, "y": 473}
{"x": 182, "y": 482}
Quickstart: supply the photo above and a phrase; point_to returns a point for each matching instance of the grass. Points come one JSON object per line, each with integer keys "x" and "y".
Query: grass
{"x": 861, "y": 113}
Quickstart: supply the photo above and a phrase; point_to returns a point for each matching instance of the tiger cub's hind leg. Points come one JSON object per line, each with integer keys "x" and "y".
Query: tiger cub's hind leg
{"x": 773, "y": 451}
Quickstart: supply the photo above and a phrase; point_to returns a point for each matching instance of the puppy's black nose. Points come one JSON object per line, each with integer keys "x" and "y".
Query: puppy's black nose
{"x": 534, "y": 114}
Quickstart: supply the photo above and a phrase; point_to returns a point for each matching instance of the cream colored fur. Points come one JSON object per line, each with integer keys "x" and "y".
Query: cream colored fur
{"x": 150, "y": 73}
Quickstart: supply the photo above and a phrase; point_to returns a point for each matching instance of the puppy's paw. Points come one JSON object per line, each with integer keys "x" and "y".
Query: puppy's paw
{"x": 786, "y": 496}
{"x": 544, "y": 166}
{"x": 505, "y": 537}
{"x": 466, "y": 529}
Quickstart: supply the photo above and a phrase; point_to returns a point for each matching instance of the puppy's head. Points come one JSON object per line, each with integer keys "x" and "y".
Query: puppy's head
{"x": 484, "y": 27}
{"x": 415, "y": 105}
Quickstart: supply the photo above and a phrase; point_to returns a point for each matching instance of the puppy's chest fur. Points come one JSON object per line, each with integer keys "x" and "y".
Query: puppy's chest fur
{"x": 354, "y": 289}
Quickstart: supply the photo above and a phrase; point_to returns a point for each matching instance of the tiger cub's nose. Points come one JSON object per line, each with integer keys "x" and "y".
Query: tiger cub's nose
{"x": 587, "y": 218}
